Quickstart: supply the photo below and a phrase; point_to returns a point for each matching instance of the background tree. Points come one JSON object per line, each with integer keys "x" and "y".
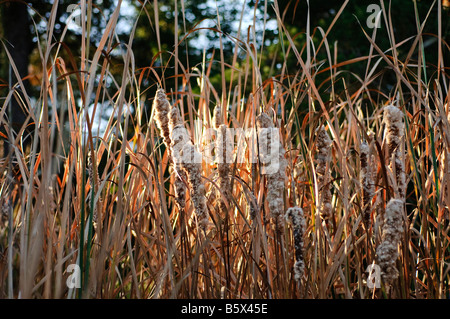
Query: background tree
{"x": 348, "y": 35}
{"x": 190, "y": 28}
{"x": 15, "y": 31}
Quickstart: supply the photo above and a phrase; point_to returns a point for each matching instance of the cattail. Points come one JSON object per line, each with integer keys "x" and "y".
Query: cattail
{"x": 323, "y": 162}
{"x": 445, "y": 177}
{"x": 178, "y": 136}
{"x": 367, "y": 182}
{"x": 223, "y": 167}
{"x": 393, "y": 118}
{"x": 273, "y": 164}
{"x": 192, "y": 165}
{"x": 217, "y": 118}
{"x": 188, "y": 164}
{"x": 162, "y": 109}
{"x": 254, "y": 209}
{"x": 387, "y": 251}
{"x": 445, "y": 182}
{"x": 179, "y": 186}
{"x": 91, "y": 171}
{"x": 5, "y": 203}
{"x": 223, "y": 150}
{"x": 168, "y": 119}
{"x": 296, "y": 217}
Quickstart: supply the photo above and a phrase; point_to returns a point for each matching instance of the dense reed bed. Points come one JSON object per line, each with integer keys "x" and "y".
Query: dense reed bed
{"x": 289, "y": 186}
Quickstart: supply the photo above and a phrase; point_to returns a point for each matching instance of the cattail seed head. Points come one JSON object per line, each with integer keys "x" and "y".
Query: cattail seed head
{"x": 193, "y": 168}
{"x": 297, "y": 219}
{"x": 387, "y": 251}
{"x": 323, "y": 147}
{"x": 5, "y": 203}
{"x": 224, "y": 149}
{"x": 367, "y": 182}
{"x": 274, "y": 165}
{"x": 174, "y": 119}
{"x": 254, "y": 209}
{"x": 393, "y": 117}
{"x": 394, "y": 127}
{"x": 178, "y": 136}
{"x": 162, "y": 108}
{"x": 91, "y": 171}
{"x": 263, "y": 121}
{"x": 179, "y": 186}
{"x": 217, "y": 119}
{"x": 445, "y": 171}
{"x": 445, "y": 182}
{"x": 169, "y": 121}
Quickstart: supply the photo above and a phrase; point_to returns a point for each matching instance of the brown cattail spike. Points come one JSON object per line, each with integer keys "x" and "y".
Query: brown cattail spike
{"x": 192, "y": 165}
{"x": 224, "y": 150}
{"x": 167, "y": 120}
{"x": 393, "y": 117}
{"x": 323, "y": 164}
{"x": 387, "y": 251}
{"x": 271, "y": 153}
{"x": 178, "y": 137}
{"x": 218, "y": 118}
{"x": 90, "y": 166}
{"x": 254, "y": 209}
{"x": 367, "y": 182}
{"x": 162, "y": 107}
{"x": 445, "y": 181}
{"x": 295, "y": 216}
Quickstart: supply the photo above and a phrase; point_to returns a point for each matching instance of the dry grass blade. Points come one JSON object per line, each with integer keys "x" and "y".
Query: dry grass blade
{"x": 303, "y": 177}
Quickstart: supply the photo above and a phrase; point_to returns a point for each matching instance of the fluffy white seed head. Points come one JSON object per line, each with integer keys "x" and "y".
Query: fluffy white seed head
{"x": 273, "y": 165}
{"x": 395, "y": 130}
{"x": 387, "y": 251}
{"x": 294, "y": 215}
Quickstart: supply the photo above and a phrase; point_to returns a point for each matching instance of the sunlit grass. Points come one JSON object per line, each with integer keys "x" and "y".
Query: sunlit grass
{"x": 107, "y": 203}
